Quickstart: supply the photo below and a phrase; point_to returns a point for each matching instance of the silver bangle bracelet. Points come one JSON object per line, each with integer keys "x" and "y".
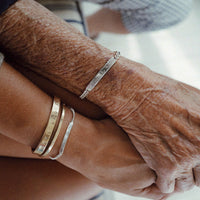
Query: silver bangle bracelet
{"x": 100, "y": 74}
{"x": 1, "y": 58}
{"x": 67, "y": 133}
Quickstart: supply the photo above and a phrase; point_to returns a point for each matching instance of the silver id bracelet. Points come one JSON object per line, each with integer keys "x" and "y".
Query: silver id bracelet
{"x": 67, "y": 133}
{"x": 1, "y": 58}
{"x": 100, "y": 74}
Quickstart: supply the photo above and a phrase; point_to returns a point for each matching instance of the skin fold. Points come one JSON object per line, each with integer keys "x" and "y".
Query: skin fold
{"x": 160, "y": 115}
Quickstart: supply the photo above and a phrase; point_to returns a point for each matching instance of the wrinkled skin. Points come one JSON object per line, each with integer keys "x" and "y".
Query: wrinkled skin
{"x": 162, "y": 118}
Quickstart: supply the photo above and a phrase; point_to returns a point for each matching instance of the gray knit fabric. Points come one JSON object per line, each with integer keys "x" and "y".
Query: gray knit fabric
{"x": 148, "y": 15}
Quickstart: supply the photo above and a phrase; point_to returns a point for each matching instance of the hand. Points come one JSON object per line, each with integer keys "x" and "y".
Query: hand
{"x": 162, "y": 119}
{"x": 106, "y": 156}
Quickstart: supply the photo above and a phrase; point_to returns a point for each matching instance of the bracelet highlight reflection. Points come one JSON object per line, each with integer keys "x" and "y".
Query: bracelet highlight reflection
{"x": 100, "y": 74}
{"x": 67, "y": 133}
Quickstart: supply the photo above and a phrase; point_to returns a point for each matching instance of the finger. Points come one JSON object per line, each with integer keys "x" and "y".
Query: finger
{"x": 196, "y": 172}
{"x": 151, "y": 192}
{"x": 166, "y": 184}
{"x": 185, "y": 182}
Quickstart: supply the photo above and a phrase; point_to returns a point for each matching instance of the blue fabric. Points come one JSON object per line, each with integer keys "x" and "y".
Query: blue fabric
{"x": 5, "y": 4}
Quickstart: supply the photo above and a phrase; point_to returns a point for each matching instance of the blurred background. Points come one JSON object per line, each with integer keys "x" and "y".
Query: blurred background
{"x": 174, "y": 52}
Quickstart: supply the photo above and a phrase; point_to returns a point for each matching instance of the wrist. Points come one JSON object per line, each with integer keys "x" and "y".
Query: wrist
{"x": 125, "y": 74}
{"x": 80, "y": 145}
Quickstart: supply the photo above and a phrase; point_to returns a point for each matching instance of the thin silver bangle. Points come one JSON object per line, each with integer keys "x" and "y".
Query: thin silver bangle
{"x": 67, "y": 133}
{"x": 101, "y": 73}
{"x": 1, "y": 59}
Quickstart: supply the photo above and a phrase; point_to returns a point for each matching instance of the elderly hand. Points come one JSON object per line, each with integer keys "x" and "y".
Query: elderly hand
{"x": 162, "y": 119}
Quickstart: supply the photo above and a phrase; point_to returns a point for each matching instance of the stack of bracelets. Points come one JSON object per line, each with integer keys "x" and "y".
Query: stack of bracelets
{"x": 52, "y": 130}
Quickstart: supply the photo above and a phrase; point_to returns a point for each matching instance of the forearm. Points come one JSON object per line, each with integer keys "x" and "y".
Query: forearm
{"x": 21, "y": 116}
{"x": 59, "y": 52}
{"x": 25, "y": 110}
